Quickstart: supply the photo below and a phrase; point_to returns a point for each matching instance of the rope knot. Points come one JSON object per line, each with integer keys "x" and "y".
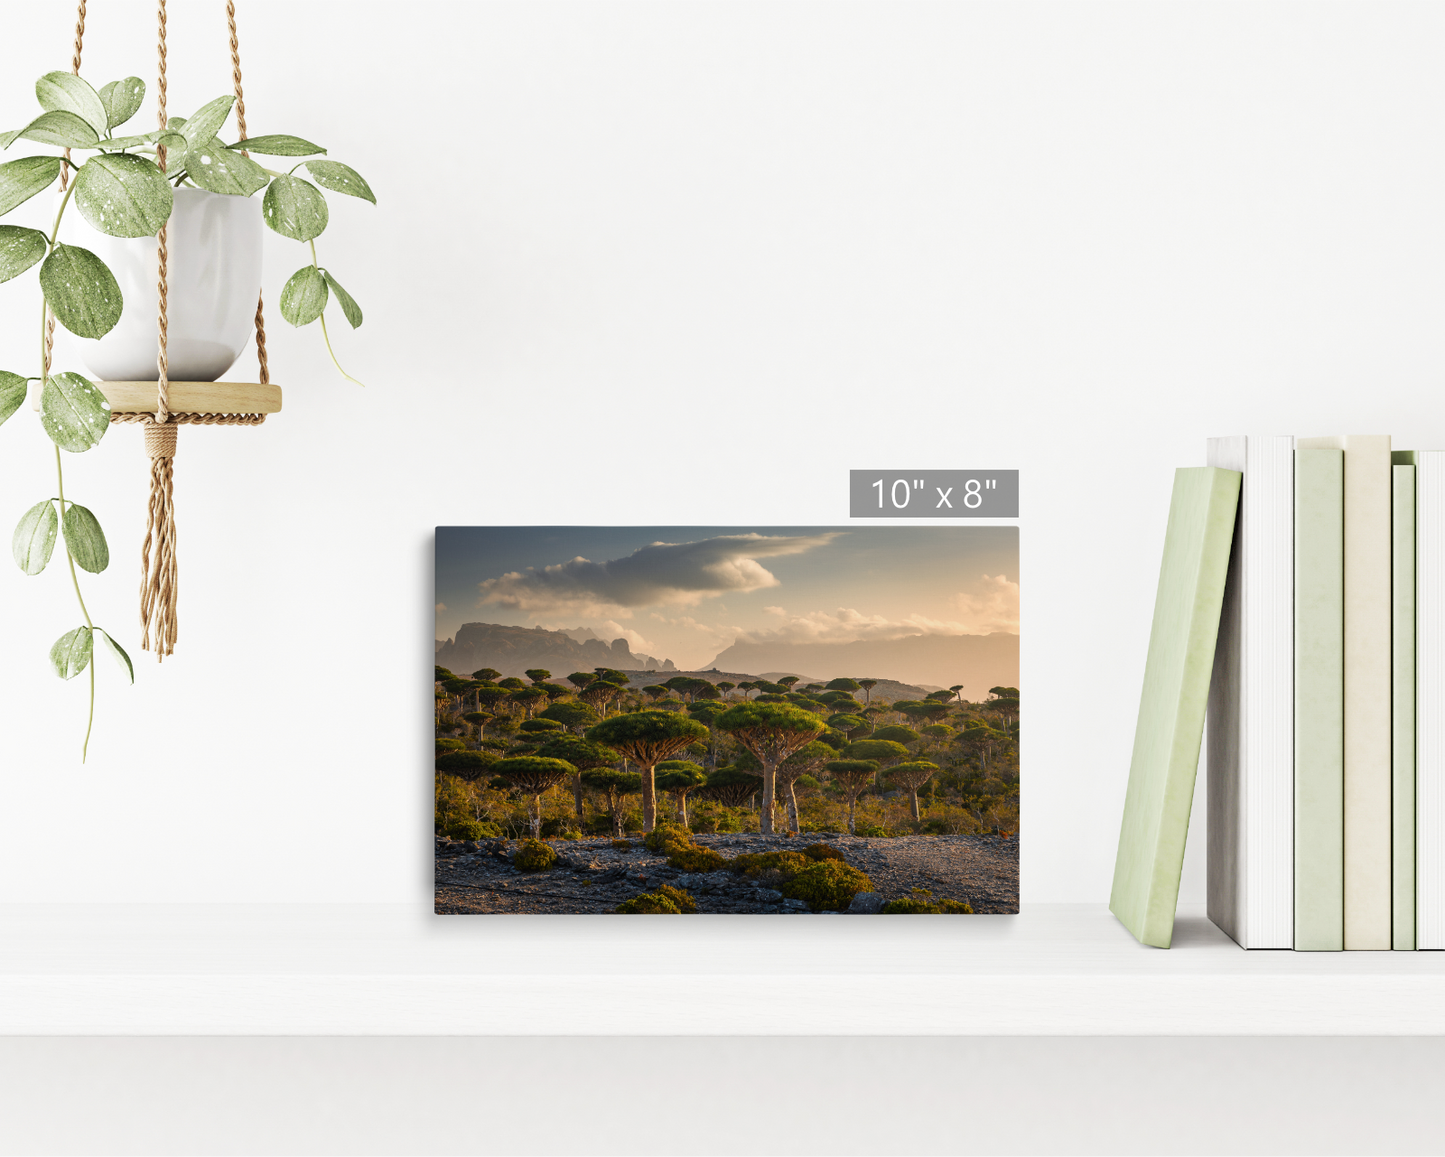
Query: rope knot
{"x": 160, "y": 440}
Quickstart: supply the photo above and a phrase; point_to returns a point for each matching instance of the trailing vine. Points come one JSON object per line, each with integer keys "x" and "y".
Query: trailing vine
{"x": 121, "y": 191}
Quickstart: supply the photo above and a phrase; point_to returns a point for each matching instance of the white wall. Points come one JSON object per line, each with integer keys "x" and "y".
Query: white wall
{"x": 752, "y": 245}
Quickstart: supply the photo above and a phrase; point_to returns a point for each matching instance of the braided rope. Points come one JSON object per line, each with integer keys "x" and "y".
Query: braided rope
{"x": 241, "y": 126}
{"x": 236, "y": 69}
{"x": 189, "y": 418}
{"x": 162, "y": 250}
{"x": 75, "y": 71}
{"x": 261, "y": 344}
{"x": 159, "y": 585}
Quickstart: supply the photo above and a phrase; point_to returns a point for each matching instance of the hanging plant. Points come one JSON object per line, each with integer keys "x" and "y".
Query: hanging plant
{"x": 130, "y": 188}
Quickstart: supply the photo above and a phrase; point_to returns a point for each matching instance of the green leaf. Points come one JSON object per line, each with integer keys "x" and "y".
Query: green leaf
{"x": 71, "y": 653}
{"x": 123, "y": 195}
{"x": 214, "y": 167}
{"x": 278, "y": 145}
{"x": 347, "y": 302}
{"x": 122, "y": 100}
{"x": 81, "y": 290}
{"x": 85, "y": 539}
{"x": 295, "y": 208}
{"x": 34, "y": 537}
{"x": 118, "y": 653}
{"x": 74, "y": 413}
{"x": 19, "y": 250}
{"x": 304, "y": 296}
{"x": 341, "y": 178}
{"x": 20, "y": 180}
{"x": 13, "y": 389}
{"x": 56, "y": 128}
{"x": 203, "y": 123}
{"x": 170, "y": 138}
{"x": 64, "y": 92}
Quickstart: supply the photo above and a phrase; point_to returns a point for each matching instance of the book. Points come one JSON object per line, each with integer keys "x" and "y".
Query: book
{"x": 1170, "y": 727}
{"x": 1250, "y": 722}
{"x": 1368, "y": 719}
{"x": 1402, "y": 701}
{"x": 1319, "y": 753}
{"x": 1429, "y": 699}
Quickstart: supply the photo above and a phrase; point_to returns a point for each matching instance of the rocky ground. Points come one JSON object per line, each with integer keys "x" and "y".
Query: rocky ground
{"x": 593, "y": 877}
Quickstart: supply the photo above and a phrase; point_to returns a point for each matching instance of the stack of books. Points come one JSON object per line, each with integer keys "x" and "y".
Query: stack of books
{"x": 1325, "y": 736}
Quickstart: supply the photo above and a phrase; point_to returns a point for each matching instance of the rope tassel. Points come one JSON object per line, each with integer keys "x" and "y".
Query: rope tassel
{"x": 159, "y": 577}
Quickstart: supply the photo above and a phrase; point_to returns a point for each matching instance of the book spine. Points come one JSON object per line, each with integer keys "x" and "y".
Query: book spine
{"x": 1430, "y": 699}
{"x": 1227, "y": 871}
{"x": 1172, "y": 704}
{"x": 1269, "y": 691}
{"x": 1319, "y": 646}
{"x": 1251, "y": 704}
{"x": 1402, "y": 756}
{"x": 1367, "y": 693}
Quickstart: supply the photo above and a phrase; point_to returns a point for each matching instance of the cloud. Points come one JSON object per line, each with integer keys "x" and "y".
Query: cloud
{"x": 775, "y": 611}
{"x": 674, "y": 574}
{"x": 609, "y": 630}
{"x": 992, "y": 606}
{"x": 441, "y": 606}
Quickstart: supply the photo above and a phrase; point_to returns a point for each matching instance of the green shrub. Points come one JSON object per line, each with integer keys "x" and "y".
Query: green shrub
{"x": 874, "y": 831}
{"x": 695, "y": 858}
{"x": 911, "y": 906}
{"x": 681, "y": 900}
{"x": 663, "y": 840}
{"x": 790, "y": 864}
{"x": 534, "y": 856}
{"x": 450, "y": 745}
{"x": 822, "y": 852}
{"x": 464, "y": 829}
{"x": 827, "y": 886}
{"x": 571, "y": 835}
{"x": 622, "y": 845}
{"x": 648, "y": 904}
{"x": 559, "y": 826}
{"x": 660, "y": 835}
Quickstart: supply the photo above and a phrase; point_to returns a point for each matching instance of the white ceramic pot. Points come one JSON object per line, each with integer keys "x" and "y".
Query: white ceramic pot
{"x": 213, "y": 277}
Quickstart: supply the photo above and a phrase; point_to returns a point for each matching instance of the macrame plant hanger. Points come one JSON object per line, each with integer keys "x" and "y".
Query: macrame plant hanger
{"x": 198, "y": 403}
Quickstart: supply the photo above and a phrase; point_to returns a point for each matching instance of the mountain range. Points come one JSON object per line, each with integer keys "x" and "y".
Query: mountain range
{"x": 514, "y": 650}
{"x": 978, "y": 662}
{"x": 911, "y": 665}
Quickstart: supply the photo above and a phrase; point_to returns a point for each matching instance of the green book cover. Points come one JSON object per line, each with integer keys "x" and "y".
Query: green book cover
{"x": 1402, "y": 705}
{"x": 1319, "y": 778}
{"x": 1171, "y": 709}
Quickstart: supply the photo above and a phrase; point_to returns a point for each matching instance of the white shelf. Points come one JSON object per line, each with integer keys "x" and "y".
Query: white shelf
{"x": 394, "y": 969}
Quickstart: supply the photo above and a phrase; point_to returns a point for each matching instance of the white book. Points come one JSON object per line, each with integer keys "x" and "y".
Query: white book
{"x": 1250, "y": 776}
{"x": 1368, "y": 718}
{"x": 1430, "y": 699}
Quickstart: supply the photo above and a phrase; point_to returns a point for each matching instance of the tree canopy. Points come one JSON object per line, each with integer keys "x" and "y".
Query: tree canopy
{"x": 882, "y": 750}
{"x": 896, "y": 734}
{"x": 582, "y": 754}
{"x": 468, "y": 765}
{"x": 648, "y": 737}
{"x": 570, "y": 714}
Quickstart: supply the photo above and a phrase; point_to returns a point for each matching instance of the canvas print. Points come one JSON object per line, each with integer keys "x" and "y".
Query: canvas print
{"x": 727, "y": 720}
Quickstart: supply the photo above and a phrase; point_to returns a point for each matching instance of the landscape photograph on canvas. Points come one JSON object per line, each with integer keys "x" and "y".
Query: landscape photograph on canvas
{"x": 728, "y": 720}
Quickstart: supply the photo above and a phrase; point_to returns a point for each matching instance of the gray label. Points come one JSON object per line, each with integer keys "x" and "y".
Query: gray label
{"x": 933, "y": 493}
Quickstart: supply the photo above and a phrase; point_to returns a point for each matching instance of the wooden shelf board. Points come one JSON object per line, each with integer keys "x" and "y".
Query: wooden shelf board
{"x": 398, "y": 969}
{"x": 194, "y": 397}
